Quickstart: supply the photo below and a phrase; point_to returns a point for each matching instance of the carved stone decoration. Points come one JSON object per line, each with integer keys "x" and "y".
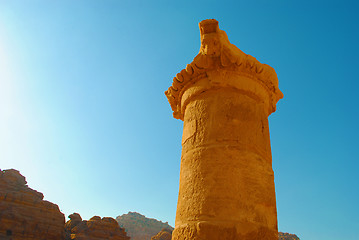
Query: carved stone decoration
{"x": 226, "y": 187}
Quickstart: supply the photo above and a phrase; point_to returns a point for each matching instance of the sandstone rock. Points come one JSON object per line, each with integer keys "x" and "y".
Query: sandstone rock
{"x": 165, "y": 234}
{"x": 287, "y": 236}
{"x": 94, "y": 229}
{"x": 24, "y": 215}
{"x": 224, "y": 97}
{"x": 75, "y": 219}
{"x": 139, "y": 227}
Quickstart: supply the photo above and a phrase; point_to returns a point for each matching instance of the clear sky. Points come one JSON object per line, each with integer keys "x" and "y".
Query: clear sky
{"x": 84, "y": 117}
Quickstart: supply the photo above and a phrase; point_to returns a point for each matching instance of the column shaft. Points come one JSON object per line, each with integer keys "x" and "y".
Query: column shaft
{"x": 226, "y": 178}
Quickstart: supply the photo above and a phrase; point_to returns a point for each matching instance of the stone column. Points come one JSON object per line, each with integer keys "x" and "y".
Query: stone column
{"x": 226, "y": 187}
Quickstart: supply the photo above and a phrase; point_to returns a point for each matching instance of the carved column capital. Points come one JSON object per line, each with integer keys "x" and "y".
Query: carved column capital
{"x": 221, "y": 64}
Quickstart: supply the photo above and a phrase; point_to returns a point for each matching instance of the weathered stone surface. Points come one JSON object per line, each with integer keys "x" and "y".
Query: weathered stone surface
{"x": 139, "y": 227}
{"x": 75, "y": 219}
{"x": 165, "y": 234}
{"x": 226, "y": 187}
{"x": 94, "y": 229}
{"x": 24, "y": 215}
{"x": 287, "y": 236}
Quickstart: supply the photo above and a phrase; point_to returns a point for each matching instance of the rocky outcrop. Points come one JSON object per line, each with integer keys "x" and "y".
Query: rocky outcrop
{"x": 75, "y": 219}
{"x": 287, "y": 236}
{"x": 165, "y": 234}
{"x": 24, "y": 215}
{"x": 139, "y": 227}
{"x": 94, "y": 229}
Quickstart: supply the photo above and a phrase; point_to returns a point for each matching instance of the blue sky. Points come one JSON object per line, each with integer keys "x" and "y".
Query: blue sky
{"x": 84, "y": 117}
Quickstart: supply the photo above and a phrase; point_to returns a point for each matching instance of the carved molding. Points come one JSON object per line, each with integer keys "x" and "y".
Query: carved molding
{"x": 218, "y": 54}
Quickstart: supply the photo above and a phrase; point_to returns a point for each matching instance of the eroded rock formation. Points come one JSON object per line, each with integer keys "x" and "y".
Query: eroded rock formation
{"x": 94, "y": 229}
{"x": 24, "y": 215}
{"x": 165, "y": 234}
{"x": 75, "y": 219}
{"x": 287, "y": 236}
{"x": 139, "y": 227}
{"x": 226, "y": 186}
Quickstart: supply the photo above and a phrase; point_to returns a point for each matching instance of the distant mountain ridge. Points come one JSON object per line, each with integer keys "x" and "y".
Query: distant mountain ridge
{"x": 139, "y": 227}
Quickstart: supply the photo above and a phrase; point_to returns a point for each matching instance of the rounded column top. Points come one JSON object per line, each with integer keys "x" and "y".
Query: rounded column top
{"x": 217, "y": 55}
